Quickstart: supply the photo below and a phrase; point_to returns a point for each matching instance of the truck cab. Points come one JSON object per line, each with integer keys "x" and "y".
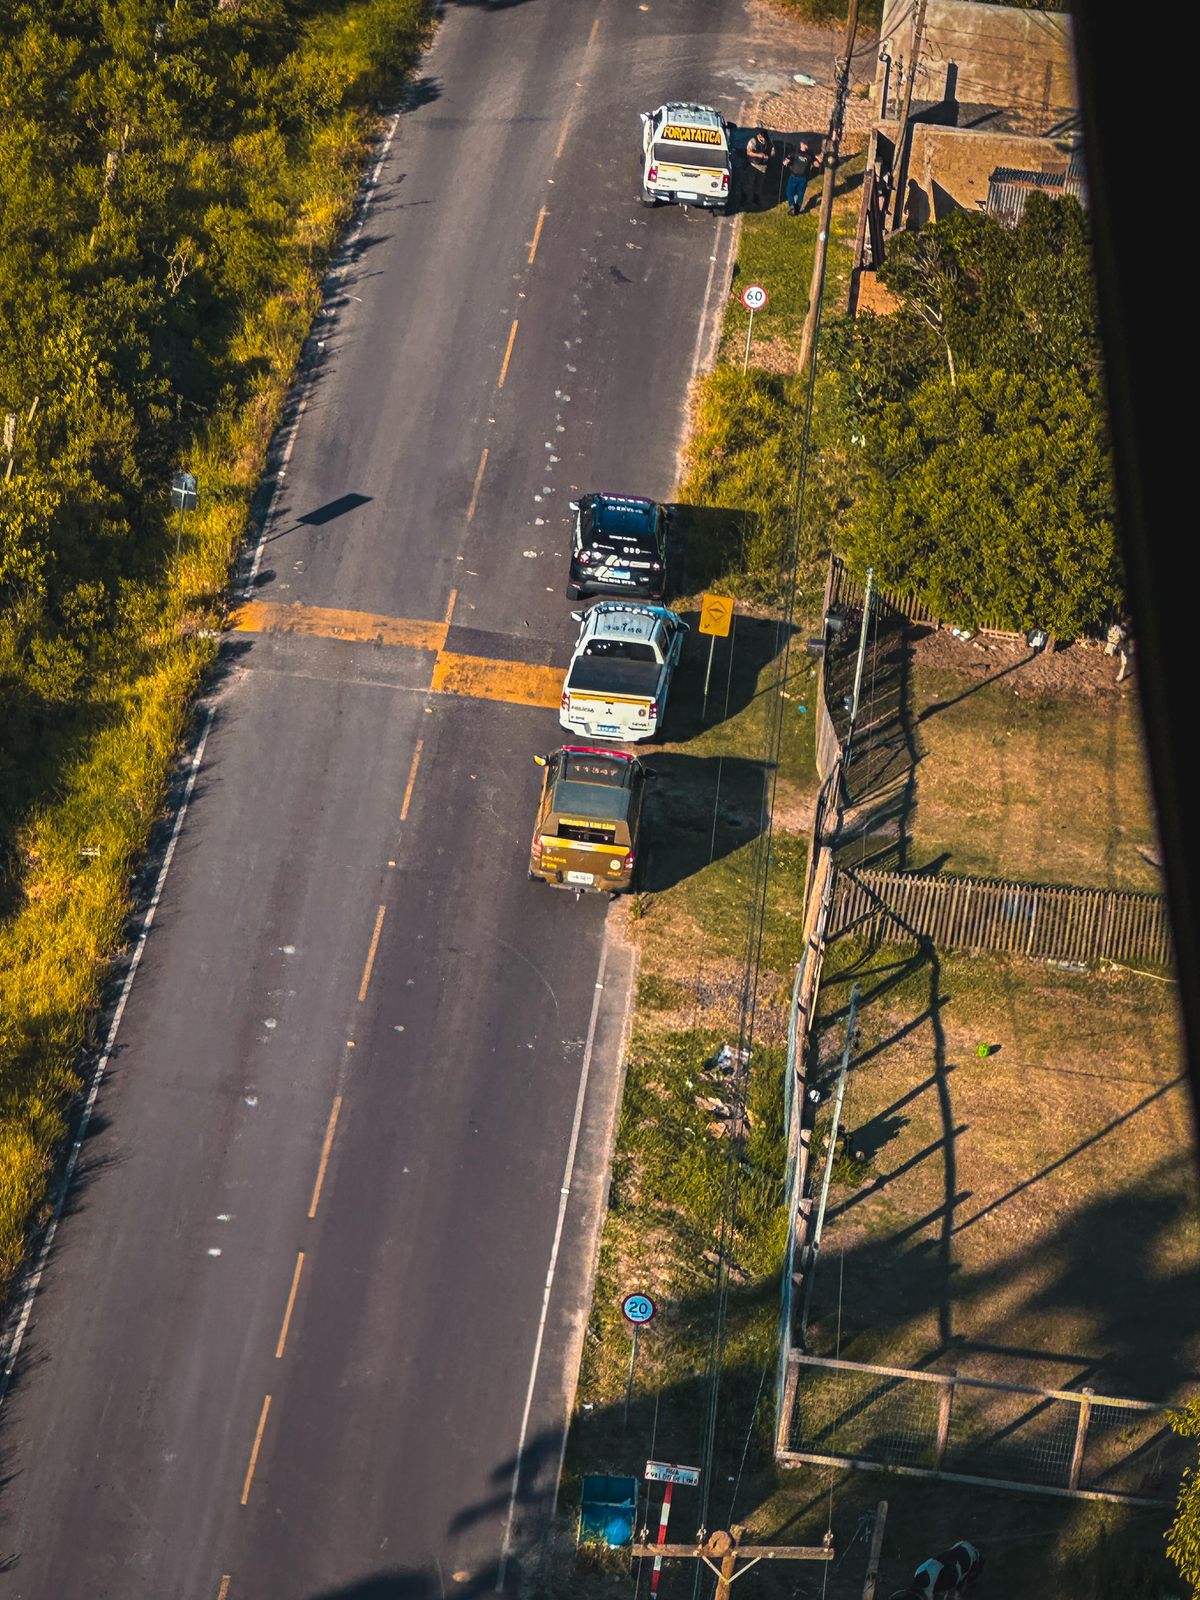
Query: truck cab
{"x": 685, "y": 156}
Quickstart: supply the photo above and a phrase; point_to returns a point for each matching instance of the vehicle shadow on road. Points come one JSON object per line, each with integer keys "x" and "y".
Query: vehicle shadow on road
{"x": 699, "y": 809}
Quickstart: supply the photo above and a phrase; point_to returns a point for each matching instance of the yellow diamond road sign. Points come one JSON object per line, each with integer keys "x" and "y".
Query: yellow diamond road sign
{"x": 716, "y": 614}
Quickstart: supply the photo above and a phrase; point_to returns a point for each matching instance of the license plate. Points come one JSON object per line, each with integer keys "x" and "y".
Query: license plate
{"x": 607, "y": 727}
{"x": 619, "y": 573}
{"x": 689, "y": 197}
{"x": 581, "y": 877}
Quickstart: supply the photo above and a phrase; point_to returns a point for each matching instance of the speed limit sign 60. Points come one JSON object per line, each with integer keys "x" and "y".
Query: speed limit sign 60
{"x": 754, "y": 297}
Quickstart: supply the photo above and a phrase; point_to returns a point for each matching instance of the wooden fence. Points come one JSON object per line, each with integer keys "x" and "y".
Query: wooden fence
{"x": 1043, "y": 920}
{"x": 843, "y": 589}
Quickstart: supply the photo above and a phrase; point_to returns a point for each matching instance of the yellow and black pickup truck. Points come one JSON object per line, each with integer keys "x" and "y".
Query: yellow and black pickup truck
{"x": 589, "y": 820}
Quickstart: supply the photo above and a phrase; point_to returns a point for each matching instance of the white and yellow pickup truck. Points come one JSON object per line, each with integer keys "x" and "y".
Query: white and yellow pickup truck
{"x": 620, "y": 674}
{"x": 685, "y": 156}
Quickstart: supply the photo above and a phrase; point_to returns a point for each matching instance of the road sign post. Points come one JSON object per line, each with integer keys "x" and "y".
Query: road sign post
{"x": 637, "y": 1309}
{"x": 185, "y": 494}
{"x": 716, "y": 619}
{"x": 666, "y": 1472}
{"x": 754, "y": 298}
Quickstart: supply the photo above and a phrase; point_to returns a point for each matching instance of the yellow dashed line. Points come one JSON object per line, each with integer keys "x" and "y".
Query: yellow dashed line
{"x": 224, "y": 1589}
{"x": 412, "y": 778}
{"x": 478, "y": 480}
{"x": 291, "y": 1306}
{"x": 330, "y": 1130}
{"x": 366, "y": 977}
{"x": 258, "y": 1437}
{"x": 537, "y": 234}
{"x": 326, "y": 622}
{"x": 512, "y": 339}
{"x": 514, "y": 681}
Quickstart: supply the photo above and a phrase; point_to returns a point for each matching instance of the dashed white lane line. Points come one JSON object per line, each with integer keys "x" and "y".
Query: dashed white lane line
{"x": 135, "y": 961}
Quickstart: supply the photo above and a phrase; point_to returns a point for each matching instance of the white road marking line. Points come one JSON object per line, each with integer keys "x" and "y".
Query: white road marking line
{"x": 564, "y": 1195}
{"x": 135, "y": 961}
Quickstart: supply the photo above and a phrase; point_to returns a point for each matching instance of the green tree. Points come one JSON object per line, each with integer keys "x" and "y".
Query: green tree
{"x": 1183, "y": 1536}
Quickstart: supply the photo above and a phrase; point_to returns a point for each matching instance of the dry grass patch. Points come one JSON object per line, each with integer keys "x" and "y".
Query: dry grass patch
{"x": 1029, "y": 1216}
{"x": 1029, "y": 777}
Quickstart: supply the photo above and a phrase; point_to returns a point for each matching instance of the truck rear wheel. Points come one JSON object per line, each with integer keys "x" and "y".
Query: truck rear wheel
{"x": 648, "y": 199}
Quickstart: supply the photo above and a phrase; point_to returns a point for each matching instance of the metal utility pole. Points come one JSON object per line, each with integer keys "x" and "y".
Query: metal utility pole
{"x": 728, "y": 1550}
{"x": 817, "y": 286}
{"x": 814, "y": 1244}
{"x": 900, "y": 163}
{"x": 868, "y": 597}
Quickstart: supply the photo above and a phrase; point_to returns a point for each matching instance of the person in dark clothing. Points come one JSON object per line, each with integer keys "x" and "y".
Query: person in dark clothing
{"x": 799, "y": 164}
{"x": 759, "y": 151}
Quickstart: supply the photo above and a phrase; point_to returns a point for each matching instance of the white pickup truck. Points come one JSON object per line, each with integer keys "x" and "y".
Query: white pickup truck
{"x": 620, "y": 674}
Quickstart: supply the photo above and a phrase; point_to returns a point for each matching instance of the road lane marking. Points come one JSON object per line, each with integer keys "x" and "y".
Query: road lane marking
{"x": 479, "y": 475}
{"x": 291, "y": 1302}
{"x": 564, "y": 1196}
{"x": 85, "y": 1117}
{"x": 324, "y": 1162}
{"x": 517, "y": 682}
{"x": 412, "y": 778}
{"x": 512, "y": 338}
{"x": 450, "y": 606}
{"x": 562, "y": 138}
{"x": 224, "y": 1589}
{"x": 537, "y": 234}
{"x": 258, "y": 1437}
{"x": 366, "y": 977}
{"x": 330, "y": 622}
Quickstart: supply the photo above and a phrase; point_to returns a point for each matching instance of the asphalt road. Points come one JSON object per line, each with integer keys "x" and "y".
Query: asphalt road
{"x": 362, "y": 1053}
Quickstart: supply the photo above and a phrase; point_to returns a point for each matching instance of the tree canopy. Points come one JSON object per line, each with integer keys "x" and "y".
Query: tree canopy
{"x": 972, "y": 426}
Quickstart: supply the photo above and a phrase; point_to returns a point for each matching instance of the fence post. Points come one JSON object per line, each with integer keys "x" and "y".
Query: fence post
{"x": 945, "y": 1402}
{"x": 1081, "y": 1429}
{"x": 791, "y": 1382}
{"x": 872, "y": 1577}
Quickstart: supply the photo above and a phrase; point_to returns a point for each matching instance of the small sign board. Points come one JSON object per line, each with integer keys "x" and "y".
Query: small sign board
{"x": 754, "y": 297}
{"x": 716, "y": 615}
{"x": 637, "y": 1308}
{"x": 666, "y": 1472}
{"x": 184, "y": 491}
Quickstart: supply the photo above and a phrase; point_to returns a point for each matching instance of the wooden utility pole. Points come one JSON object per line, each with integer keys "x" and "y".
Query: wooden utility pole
{"x": 728, "y": 1558}
{"x": 899, "y": 163}
{"x": 817, "y": 286}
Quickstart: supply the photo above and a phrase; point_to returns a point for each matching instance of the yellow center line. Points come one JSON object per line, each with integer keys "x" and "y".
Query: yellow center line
{"x": 479, "y": 473}
{"x": 516, "y": 682}
{"x": 291, "y": 1302}
{"x": 450, "y": 605}
{"x": 262, "y": 1422}
{"x": 324, "y": 1162}
{"x": 224, "y": 1589}
{"x": 329, "y": 622}
{"x": 512, "y": 335}
{"x": 537, "y": 234}
{"x": 412, "y": 778}
{"x": 366, "y": 977}
{"x": 594, "y": 32}
{"x": 562, "y": 138}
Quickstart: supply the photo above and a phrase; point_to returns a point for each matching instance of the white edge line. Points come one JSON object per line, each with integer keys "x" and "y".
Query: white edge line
{"x": 368, "y": 186}
{"x": 610, "y": 1143}
{"x": 85, "y": 1117}
{"x": 564, "y": 1196}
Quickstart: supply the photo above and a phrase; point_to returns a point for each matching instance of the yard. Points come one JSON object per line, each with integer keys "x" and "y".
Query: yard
{"x": 1030, "y": 767}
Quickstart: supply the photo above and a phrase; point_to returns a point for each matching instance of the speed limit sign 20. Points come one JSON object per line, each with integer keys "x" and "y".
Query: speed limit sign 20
{"x": 754, "y": 297}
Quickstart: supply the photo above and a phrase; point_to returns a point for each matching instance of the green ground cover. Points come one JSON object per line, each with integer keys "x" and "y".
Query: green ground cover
{"x": 175, "y": 181}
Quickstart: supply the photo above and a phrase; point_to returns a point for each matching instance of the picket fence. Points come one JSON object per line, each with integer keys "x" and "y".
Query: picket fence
{"x": 1041, "y": 920}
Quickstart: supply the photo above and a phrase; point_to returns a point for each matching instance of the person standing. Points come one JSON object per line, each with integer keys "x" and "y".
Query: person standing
{"x": 798, "y": 164}
{"x": 759, "y": 151}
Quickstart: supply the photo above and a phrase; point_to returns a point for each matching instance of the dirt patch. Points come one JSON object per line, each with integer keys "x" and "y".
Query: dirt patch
{"x": 1079, "y": 671}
